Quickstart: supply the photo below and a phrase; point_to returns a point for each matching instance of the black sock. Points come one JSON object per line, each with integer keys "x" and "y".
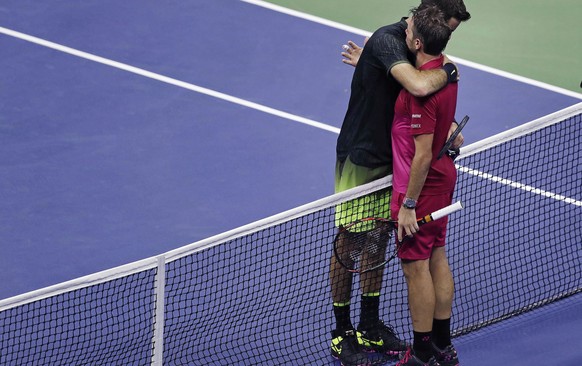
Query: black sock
{"x": 441, "y": 331}
{"x": 342, "y": 316}
{"x": 370, "y": 310}
{"x": 422, "y": 345}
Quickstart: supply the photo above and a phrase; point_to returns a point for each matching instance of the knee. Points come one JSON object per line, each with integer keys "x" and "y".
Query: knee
{"x": 414, "y": 269}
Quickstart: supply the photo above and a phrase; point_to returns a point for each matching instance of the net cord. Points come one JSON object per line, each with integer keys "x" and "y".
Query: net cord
{"x": 78, "y": 283}
{"x": 280, "y": 218}
{"x": 466, "y": 330}
{"x": 152, "y": 262}
{"x": 520, "y": 130}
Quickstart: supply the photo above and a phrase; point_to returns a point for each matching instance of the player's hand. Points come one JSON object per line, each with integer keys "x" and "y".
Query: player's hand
{"x": 407, "y": 225}
{"x": 459, "y": 140}
{"x": 352, "y": 52}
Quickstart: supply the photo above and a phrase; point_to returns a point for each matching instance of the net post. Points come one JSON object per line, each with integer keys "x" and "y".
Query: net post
{"x": 158, "y": 324}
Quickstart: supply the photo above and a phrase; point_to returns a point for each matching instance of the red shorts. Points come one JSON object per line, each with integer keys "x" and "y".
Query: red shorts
{"x": 429, "y": 235}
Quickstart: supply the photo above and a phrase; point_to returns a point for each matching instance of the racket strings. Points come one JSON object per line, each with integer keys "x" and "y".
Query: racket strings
{"x": 363, "y": 251}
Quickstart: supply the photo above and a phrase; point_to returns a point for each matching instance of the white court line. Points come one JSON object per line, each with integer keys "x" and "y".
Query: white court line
{"x": 521, "y": 186}
{"x": 458, "y": 60}
{"x": 168, "y": 80}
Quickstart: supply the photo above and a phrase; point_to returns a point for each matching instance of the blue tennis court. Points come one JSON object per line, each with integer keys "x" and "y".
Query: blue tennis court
{"x": 131, "y": 129}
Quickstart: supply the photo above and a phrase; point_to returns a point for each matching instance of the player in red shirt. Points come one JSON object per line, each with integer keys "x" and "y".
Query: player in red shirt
{"x": 423, "y": 184}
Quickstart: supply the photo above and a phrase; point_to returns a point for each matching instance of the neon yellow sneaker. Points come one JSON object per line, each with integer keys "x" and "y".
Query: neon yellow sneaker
{"x": 382, "y": 339}
{"x": 344, "y": 347}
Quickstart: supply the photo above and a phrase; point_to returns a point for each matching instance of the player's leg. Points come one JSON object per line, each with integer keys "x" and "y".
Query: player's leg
{"x": 415, "y": 255}
{"x": 344, "y": 338}
{"x": 443, "y": 348}
{"x": 421, "y": 302}
{"x": 341, "y": 288}
{"x": 444, "y": 286}
{"x": 376, "y": 335}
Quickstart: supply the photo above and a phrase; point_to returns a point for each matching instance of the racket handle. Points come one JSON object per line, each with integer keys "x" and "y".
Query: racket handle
{"x": 440, "y": 213}
{"x": 452, "y": 138}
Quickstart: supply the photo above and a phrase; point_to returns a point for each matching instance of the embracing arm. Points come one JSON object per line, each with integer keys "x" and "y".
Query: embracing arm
{"x": 419, "y": 83}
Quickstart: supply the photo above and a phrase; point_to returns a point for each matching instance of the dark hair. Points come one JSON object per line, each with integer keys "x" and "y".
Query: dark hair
{"x": 451, "y": 8}
{"x": 430, "y": 27}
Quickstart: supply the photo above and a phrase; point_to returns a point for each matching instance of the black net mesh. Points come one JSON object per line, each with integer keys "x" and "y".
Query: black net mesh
{"x": 264, "y": 297}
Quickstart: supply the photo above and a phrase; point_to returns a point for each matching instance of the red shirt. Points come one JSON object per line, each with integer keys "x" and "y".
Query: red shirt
{"x": 433, "y": 114}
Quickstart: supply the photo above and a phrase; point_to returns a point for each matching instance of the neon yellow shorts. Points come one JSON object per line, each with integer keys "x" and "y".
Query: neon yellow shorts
{"x": 377, "y": 204}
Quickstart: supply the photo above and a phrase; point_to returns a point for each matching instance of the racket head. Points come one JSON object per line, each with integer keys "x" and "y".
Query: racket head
{"x": 366, "y": 244}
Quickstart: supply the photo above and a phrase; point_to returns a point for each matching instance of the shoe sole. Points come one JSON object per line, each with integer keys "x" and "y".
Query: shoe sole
{"x": 388, "y": 353}
{"x": 342, "y": 364}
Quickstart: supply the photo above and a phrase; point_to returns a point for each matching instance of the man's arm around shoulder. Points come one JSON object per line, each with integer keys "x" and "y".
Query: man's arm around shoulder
{"x": 425, "y": 82}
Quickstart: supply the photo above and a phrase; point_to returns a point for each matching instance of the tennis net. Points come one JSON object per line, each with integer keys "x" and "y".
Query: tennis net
{"x": 260, "y": 294}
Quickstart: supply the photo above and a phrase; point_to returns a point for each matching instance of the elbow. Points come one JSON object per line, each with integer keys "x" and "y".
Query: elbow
{"x": 425, "y": 158}
{"x": 426, "y": 162}
{"x": 420, "y": 91}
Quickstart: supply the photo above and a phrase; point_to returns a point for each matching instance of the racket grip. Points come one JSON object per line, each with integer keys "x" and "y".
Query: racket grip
{"x": 440, "y": 213}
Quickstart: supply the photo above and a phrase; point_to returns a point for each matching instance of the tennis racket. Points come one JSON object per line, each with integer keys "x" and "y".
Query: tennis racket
{"x": 362, "y": 245}
{"x": 453, "y": 153}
